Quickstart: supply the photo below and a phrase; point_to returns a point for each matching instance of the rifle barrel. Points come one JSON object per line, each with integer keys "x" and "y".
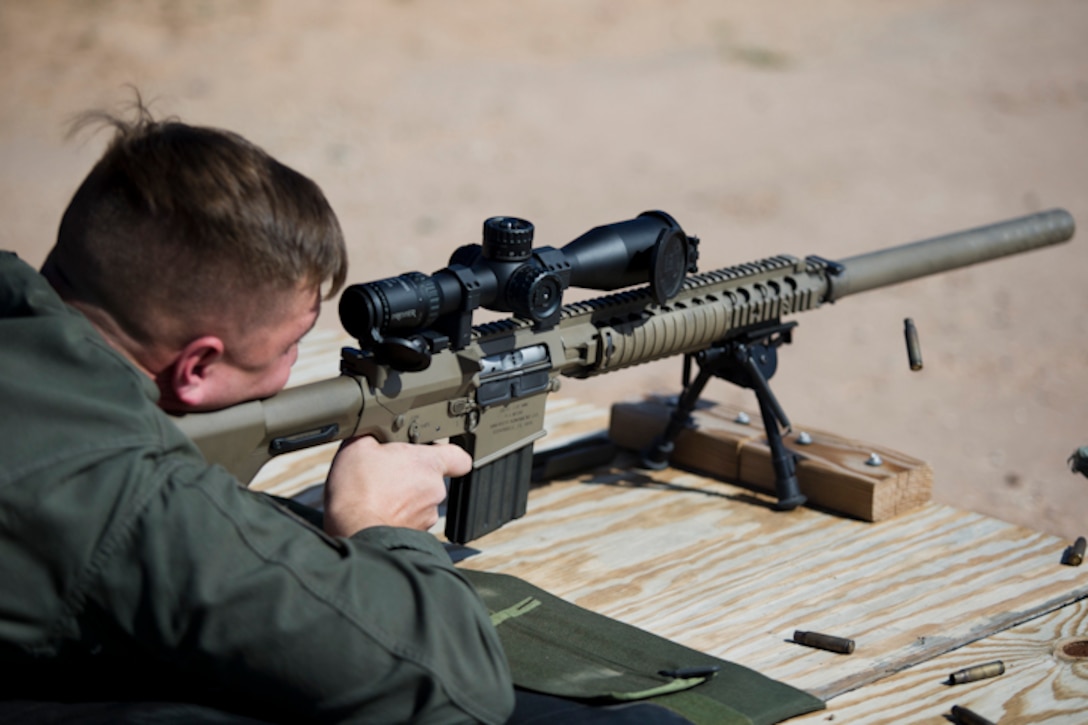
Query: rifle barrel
{"x": 951, "y": 251}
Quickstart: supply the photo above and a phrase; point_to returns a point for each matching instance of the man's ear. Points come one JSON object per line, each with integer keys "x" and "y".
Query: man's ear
{"x": 191, "y": 379}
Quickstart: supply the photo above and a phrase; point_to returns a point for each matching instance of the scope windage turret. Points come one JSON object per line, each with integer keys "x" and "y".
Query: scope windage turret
{"x": 403, "y": 320}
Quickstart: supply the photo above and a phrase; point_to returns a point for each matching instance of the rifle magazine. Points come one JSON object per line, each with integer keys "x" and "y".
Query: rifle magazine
{"x": 489, "y": 496}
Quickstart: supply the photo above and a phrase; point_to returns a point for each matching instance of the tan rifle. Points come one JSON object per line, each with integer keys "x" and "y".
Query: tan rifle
{"x": 423, "y": 372}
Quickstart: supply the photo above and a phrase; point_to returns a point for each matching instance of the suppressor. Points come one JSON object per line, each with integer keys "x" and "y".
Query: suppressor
{"x": 827, "y": 642}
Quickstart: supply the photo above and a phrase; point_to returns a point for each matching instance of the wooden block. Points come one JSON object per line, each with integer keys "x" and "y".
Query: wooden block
{"x": 635, "y": 425}
{"x": 832, "y": 471}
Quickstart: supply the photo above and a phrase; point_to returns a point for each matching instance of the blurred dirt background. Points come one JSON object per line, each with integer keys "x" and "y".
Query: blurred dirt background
{"x": 828, "y": 127}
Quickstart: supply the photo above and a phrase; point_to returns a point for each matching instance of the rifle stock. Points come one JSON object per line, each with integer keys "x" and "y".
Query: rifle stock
{"x": 488, "y": 396}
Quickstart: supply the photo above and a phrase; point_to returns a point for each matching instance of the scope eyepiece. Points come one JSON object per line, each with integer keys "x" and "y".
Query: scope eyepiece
{"x": 407, "y": 302}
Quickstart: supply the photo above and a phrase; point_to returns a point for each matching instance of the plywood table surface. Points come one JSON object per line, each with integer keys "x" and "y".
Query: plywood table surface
{"x": 1045, "y": 681}
{"x": 712, "y": 566}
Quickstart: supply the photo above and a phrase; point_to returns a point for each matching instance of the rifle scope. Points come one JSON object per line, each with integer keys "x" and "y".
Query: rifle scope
{"x": 403, "y": 320}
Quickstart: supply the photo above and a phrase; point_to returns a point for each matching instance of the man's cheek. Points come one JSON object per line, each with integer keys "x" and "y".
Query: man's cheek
{"x": 277, "y": 381}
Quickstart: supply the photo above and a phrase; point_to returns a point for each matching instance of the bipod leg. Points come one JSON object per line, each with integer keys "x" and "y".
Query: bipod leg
{"x": 750, "y": 362}
{"x": 783, "y": 460}
{"x": 656, "y": 456}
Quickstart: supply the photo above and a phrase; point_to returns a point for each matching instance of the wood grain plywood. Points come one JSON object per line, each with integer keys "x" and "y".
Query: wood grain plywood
{"x": 1042, "y": 682}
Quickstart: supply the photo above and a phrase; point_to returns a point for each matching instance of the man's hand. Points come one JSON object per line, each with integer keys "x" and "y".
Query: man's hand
{"x": 389, "y": 484}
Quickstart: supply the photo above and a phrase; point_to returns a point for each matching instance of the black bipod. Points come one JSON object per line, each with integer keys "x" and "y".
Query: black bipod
{"x": 748, "y": 360}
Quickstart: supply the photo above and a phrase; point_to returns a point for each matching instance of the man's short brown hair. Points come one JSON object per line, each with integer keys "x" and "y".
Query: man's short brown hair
{"x": 189, "y": 222}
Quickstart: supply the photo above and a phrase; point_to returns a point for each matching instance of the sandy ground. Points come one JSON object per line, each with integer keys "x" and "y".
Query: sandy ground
{"x": 828, "y": 127}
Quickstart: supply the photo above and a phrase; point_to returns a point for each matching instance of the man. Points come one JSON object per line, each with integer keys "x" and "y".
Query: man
{"x": 187, "y": 267}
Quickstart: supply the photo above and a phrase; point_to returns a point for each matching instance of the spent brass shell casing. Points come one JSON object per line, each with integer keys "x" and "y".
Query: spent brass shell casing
{"x": 963, "y": 716}
{"x": 976, "y": 673}
{"x": 1074, "y": 555}
{"x": 914, "y": 349}
{"x": 827, "y": 642}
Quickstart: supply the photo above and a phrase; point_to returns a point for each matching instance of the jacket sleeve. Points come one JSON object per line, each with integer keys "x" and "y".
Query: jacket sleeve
{"x": 220, "y": 585}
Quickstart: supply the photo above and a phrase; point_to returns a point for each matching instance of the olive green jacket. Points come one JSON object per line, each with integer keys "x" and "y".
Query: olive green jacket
{"x": 132, "y": 569}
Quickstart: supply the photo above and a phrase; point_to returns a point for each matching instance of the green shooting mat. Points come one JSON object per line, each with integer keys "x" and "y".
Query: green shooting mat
{"x": 561, "y": 649}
